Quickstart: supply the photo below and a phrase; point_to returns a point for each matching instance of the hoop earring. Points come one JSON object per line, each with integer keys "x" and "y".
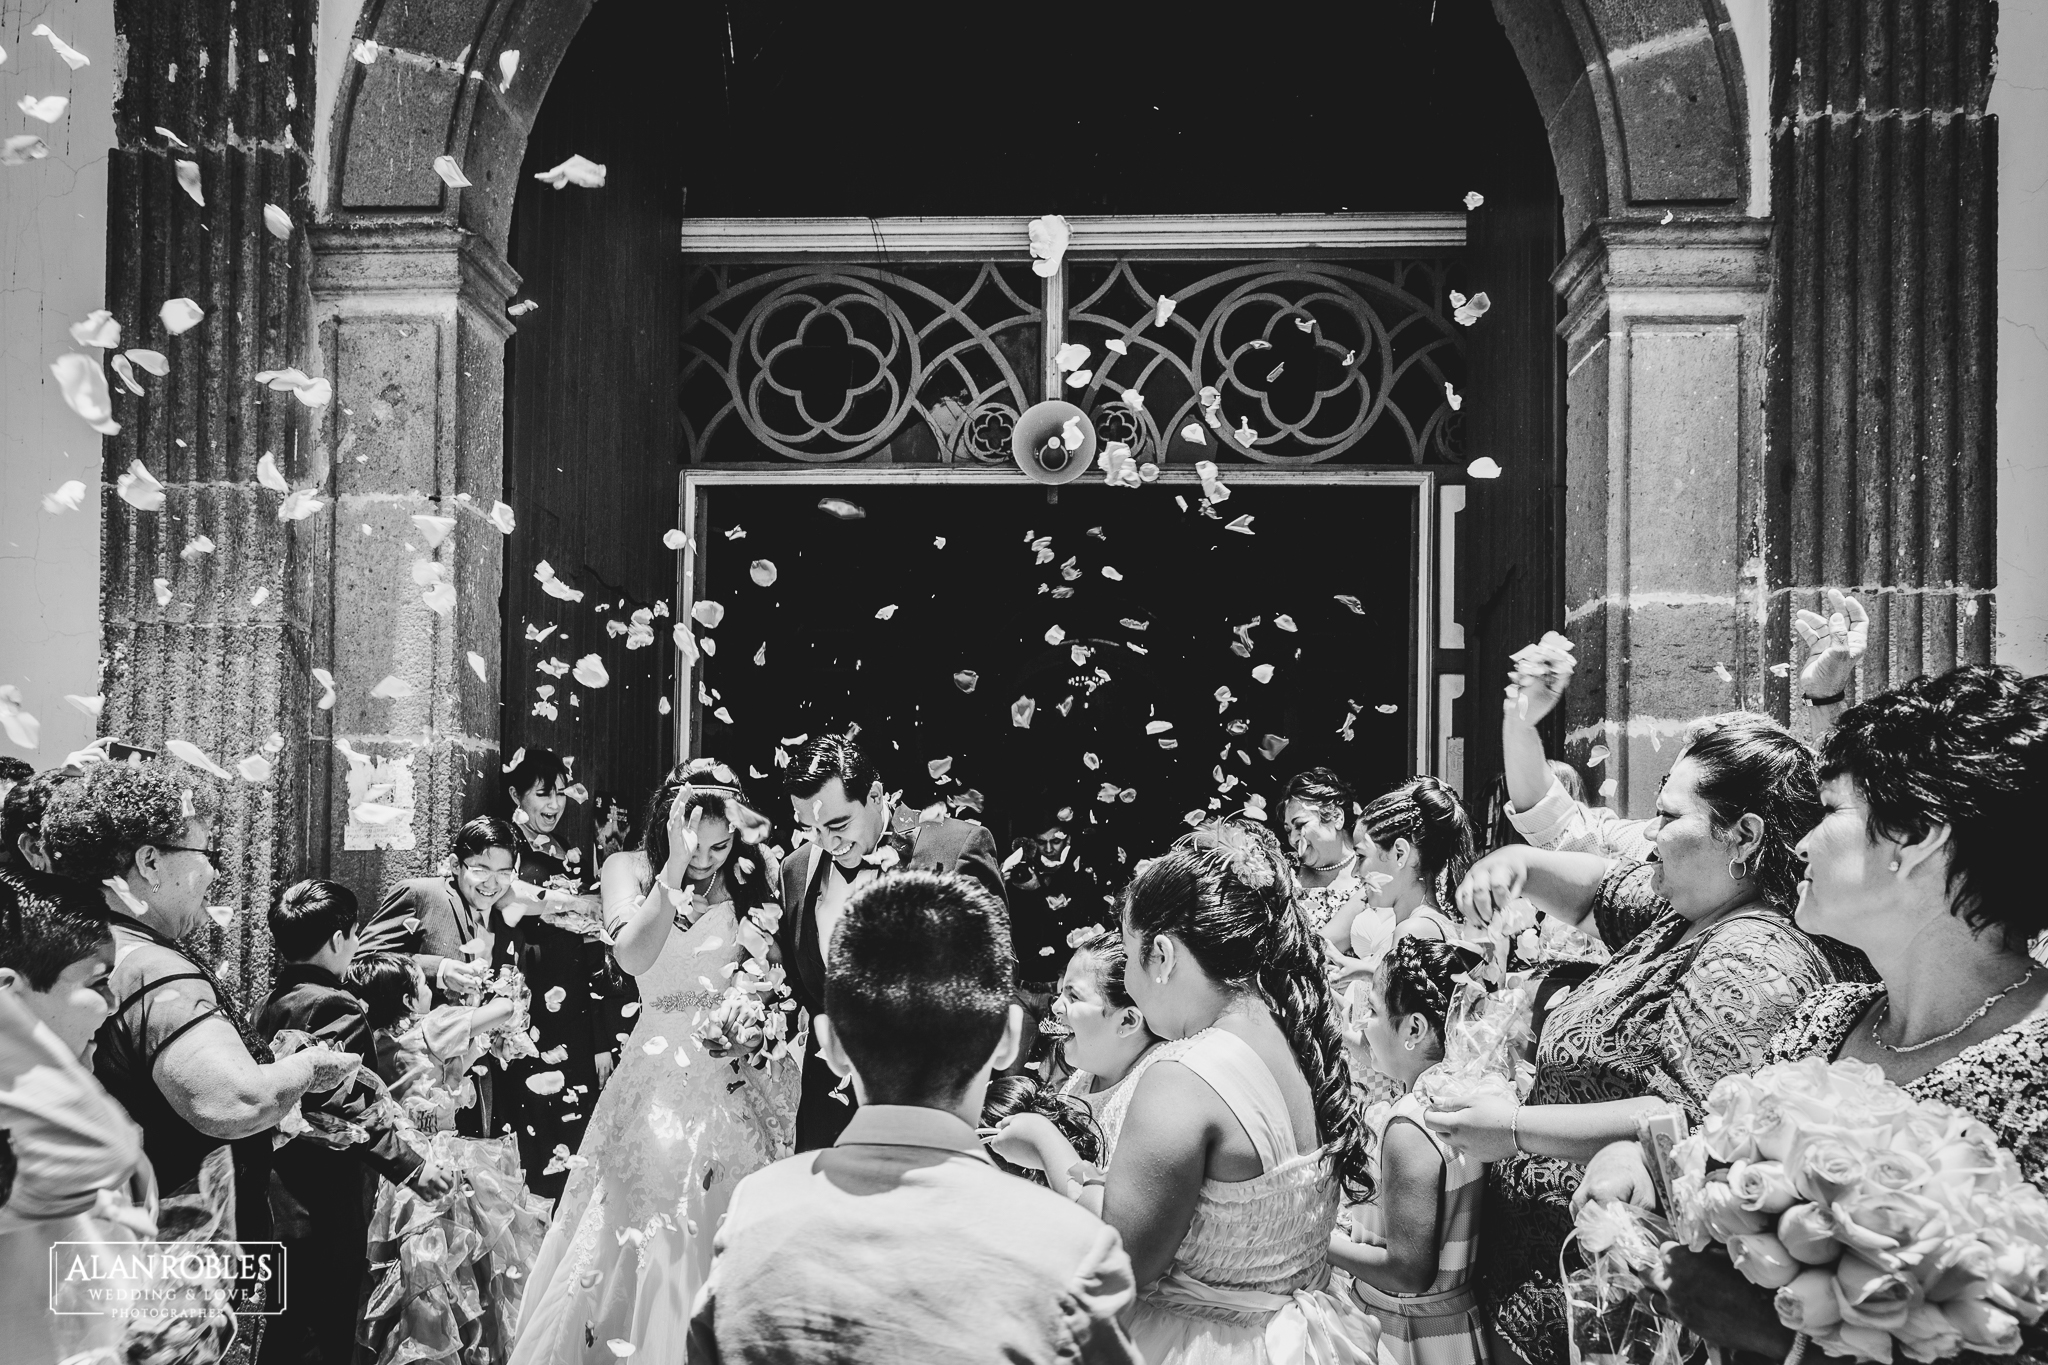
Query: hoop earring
{"x": 1738, "y": 868}
{"x": 1409, "y": 1045}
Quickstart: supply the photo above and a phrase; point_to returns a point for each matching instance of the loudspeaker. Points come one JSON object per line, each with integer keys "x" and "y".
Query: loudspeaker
{"x": 1054, "y": 442}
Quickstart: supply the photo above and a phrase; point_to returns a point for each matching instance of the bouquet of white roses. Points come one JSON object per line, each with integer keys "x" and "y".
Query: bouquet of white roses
{"x": 750, "y": 1022}
{"x": 1877, "y": 1220}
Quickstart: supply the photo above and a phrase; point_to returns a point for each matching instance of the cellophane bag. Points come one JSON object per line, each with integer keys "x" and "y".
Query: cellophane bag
{"x": 1607, "y": 1295}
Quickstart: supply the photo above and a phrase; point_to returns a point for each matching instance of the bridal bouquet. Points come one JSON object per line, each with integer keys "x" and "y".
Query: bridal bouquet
{"x": 1878, "y": 1220}
{"x": 750, "y": 1022}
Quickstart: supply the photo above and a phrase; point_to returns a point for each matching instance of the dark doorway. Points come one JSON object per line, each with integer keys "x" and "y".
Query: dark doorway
{"x": 871, "y": 620}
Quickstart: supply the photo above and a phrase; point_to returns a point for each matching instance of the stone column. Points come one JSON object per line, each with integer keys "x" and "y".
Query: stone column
{"x": 411, "y": 329}
{"x": 1664, "y": 398}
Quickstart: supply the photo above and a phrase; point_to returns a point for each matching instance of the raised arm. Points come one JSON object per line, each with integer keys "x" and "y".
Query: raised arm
{"x": 1561, "y": 884}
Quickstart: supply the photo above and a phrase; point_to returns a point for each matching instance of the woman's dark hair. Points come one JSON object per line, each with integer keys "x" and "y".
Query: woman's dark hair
{"x": 1428, "y": 815}
{"x": 1106, "y": 948}
{"x": 1009, "y": 1095}
{"x": 1328, "y": 793}
{"x": 716, "y": 791}
{"x": 1750, "y": 764}
{"x": 828, "y": 756}
{"x": 93, "y": 824}
{"x": 1967, "y": 749}
{"x": 1227, "y": 892}
{"x": 47, "y": 923}
{"x": 386, "y": 984}
{"x": 1415, "y": 978}
{"x": 21, "y": 813}
{"x": 534, "y": 766}
{"x": 310, "y": 912}
{"x": 485, "y": 832}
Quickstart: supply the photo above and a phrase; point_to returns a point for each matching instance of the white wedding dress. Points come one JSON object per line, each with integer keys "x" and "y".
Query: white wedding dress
{"x": 631, "y": 1239}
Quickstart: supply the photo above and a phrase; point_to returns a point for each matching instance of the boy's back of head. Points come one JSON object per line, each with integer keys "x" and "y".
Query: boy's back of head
{"x": 308, "y": 914}
{"x": 47, "y": 923}
{"x": 918, "y": 986}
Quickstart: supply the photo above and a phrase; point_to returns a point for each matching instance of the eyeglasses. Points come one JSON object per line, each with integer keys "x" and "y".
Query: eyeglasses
{"x": 212, "y": 855}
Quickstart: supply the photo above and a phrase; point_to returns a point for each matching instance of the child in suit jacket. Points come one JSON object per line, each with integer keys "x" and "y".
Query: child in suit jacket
{"x": 347, "y": 1137}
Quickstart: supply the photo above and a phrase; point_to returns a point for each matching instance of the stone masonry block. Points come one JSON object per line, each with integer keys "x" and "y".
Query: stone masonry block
{"x": 1685, "y": 387}
{"x": 398, "y": 123}
{"x": 388, "y": 394}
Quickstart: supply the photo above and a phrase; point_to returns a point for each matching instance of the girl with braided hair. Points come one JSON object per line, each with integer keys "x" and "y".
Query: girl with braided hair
{"x": 1418, "y": 839}
{"x": 1244, "y": 1135}
{"x": 1410, "y": 1261}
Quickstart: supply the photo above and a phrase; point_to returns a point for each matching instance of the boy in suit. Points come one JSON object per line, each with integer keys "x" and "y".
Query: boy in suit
{"x": 322, "y": 1194}
{"x": 856, "y": 835}
{"x": 903, "y": 1241}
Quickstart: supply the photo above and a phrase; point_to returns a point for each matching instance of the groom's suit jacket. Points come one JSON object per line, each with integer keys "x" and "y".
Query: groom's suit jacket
{"x": 955, "y": 846}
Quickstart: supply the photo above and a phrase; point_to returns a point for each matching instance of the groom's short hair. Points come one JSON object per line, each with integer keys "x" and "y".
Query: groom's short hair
{"x": 829, "y": 756}
{"x": 919, "y": 984}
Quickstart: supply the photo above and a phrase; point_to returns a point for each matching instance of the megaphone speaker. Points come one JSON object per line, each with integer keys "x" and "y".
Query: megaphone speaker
{"x": 1054, "y": 442}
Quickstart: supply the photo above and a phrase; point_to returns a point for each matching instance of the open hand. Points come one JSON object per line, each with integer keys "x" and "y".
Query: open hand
{"x": 460, "y": 978}
{"x": 1834, "y": 644}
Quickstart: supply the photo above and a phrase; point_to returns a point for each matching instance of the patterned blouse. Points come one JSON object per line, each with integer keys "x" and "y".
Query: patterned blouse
{"x": 1658, "y": 1018}
{"x": 2001, "y": 1081}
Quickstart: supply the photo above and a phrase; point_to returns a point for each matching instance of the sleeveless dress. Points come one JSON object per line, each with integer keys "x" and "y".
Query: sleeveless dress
{"x": 673, "y": 1133}
{"x": 1250, "y": 1284}
{"x": 1441, "y": 1325}
{"x": 1109, "y": 1106}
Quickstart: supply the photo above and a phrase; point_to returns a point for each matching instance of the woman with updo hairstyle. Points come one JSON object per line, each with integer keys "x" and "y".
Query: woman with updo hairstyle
{"x": 1419, "y": 839}
{"x": 1243, "y": 1137}
{"x": 1318, "y": 808}
{"x": 1707, "y": 965}
{"x": 1932, "y": 802}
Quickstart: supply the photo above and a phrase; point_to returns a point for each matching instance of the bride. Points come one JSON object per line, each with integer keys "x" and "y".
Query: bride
{"x": 677, "y": 1127}
{"x": 1243, "y": 1135}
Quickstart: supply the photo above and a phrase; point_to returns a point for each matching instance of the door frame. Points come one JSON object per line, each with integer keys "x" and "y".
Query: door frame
{"x": 1426, "y": 718}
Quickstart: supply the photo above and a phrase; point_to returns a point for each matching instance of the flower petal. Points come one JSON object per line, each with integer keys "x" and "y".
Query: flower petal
{"x": 69, "y": 497}
{"x": 126, "y": 373}
{"x": 48, "y": 109}
{"x": 255, "y": 768}
{"x": 188, "y": 181}
{"x": 1483, "y": 468}
{"x": 84, "y": 386}
{"x": 23, "y": 147}
{"x": 98, "y": 329}
{"x": 326, "y": 681}
{"x": 70, "y": 55}
{"x": 188, "y": 752}
{"x": 434, "y": 529}
{"x": 1162, "y": 309}
{"x": 763, "y": 572}
{"x": 842, "y": 509}
{"x": 451, "y": 173}
{"x": 577, "y": 170}
{"x": 140, "y": 490}
{"x": 269, "y": 476}
{"x": 885, "y": 613}
{"x": 590, "y": 671}
{"x": 392, "y": 688}
{"x": 1473, "y": 199}
{"x": 180, "y": 315}
{"x": 1021, "y": 711}
{"x": 966, "y": 680}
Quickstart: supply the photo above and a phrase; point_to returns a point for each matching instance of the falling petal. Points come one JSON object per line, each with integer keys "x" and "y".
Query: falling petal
{"x": 938, "y": 542}
{"x": 21, "y": 727}
{"x": 1110, "y": 572}
{"x": 99, "y": 329}
{"x": 48, "y": 109}
{"x": 1049, "y": 237}
{"x": 393, "y": 688}
{"x": 476, "y": 666}
{"x": 1472, "y": 309}
{"x": 126, "y": 373}
{"x": 1348, "y": 600}
{"x": 153, "y": 362}
{"x": 521, "y": 308}
{"x": 1263, "y": 673}
{"x": 1242, "y": 525}
{"x": 1113, "y": 344}
{"x": 885, "y": 613}
{"x": 1193, "y": 432}
{"x": 84, "y": 386}
{"x": 268, "y": 474}
{"x": 1386, "y": 708}
{"x": 254, "y": 768}
{"x": 1665, "y": 221}
{"x": 21, "y": 148}
{"x": 434, "y": 528}
{"x": 842, "y": 509}
{"x": 180, "y": 315}
{"x": 1133, "y": 400}
{"x": 1158, "y": 727}
{"x": 548, "y": 1082}
{"x": 577, "y": 170}
{"x": 674, "y": 539}
{"x": 1021, "y": 711}
{"x": 1483, "y": 468}
{"x": 1597, "y": 755}
{"x": 762, "y": 571}
{"x": 70, "y": 55}
{"x": 140, "y": 490}
{"x": 191, "y": 753}
{"x": 707, "y": 614}
{"x": 1781, "y": 670}
{"x": 1071, "y": 356}
{"x": 1284, "y": 622}
{"x": 966, "y": 680}
{"x": 440, "y": 598}
{"x": 1271, "y": 745}
{"x": 298, "y": 505}
{"x": 723, "y": 716}
{"x": 1162, "y": 310}
{"x": 1609, "y": 788}
{"x": 686, "y": 643}
{"x": 90, "y": 706}
{"x": 188, "y": 181}
{"x": 1055, "y": 635}
{"x": 163, "y": 592}
{"x": 939, "y": 767}
{"x": 1453, "y": 397}
{"x": 620, "y": 1347}
{"x": 590, "y": 671}
{"x": 1721, "y": 672}
{"x": 326, "y": 681}
{"x": 365, "y": 51}
{"x": 450, "y": 173}
{"x": 69, "y": 497}
{"x": 1473, "y": 199}
{"x": 278, "y": 221}
{"x": 1079, "y": 380}
{"x": 315, "y": 393}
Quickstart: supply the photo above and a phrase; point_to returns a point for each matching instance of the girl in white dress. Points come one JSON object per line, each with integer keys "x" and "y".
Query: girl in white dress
{"x": 1105, "y": 1038}
{"x": 677, "y": 1127}
{"x": 1244, "y": 1134}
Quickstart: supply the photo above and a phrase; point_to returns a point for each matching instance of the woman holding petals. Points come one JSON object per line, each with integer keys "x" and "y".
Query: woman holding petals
{"x": 1243, "y": 1133}
{"x": 1707, "y": 966}
{"x": 1932, "y": 797}
{"x": 692, "y": 1108}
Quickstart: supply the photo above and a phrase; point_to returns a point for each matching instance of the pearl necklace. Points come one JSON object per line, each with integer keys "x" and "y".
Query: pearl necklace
{"x": 1884, "y": 1015}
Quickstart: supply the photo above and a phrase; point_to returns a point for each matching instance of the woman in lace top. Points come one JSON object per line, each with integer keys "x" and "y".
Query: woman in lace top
{"x": 1932, "y": 799}
{"x": 1318, "y": 810}
{"x": 1227, "y": 1175}
{"x": 1707, "y": 966}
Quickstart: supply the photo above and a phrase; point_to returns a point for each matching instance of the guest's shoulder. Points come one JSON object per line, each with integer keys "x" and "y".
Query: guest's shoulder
{"x": 947, "y": 834}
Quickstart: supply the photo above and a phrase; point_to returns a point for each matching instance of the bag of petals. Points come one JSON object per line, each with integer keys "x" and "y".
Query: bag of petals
{"x": 1879, "y": 1221}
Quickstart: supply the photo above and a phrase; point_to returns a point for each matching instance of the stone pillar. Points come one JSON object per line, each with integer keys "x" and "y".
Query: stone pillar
{"x": 411, "y": 327}
{"x": 1664, "y": 398}
{"x": 206, "y": 645}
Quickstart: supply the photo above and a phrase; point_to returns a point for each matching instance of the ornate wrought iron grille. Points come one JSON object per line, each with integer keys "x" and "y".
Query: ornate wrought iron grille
{"x": 1312, "y": 361}
{"x": 829, "y": 364}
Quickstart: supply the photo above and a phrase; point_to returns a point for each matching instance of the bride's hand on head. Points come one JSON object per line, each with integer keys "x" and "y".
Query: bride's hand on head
{"x": 682, "y": 840}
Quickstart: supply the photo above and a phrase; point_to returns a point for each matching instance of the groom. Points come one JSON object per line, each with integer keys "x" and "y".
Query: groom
{"x": 856, "y": 835}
